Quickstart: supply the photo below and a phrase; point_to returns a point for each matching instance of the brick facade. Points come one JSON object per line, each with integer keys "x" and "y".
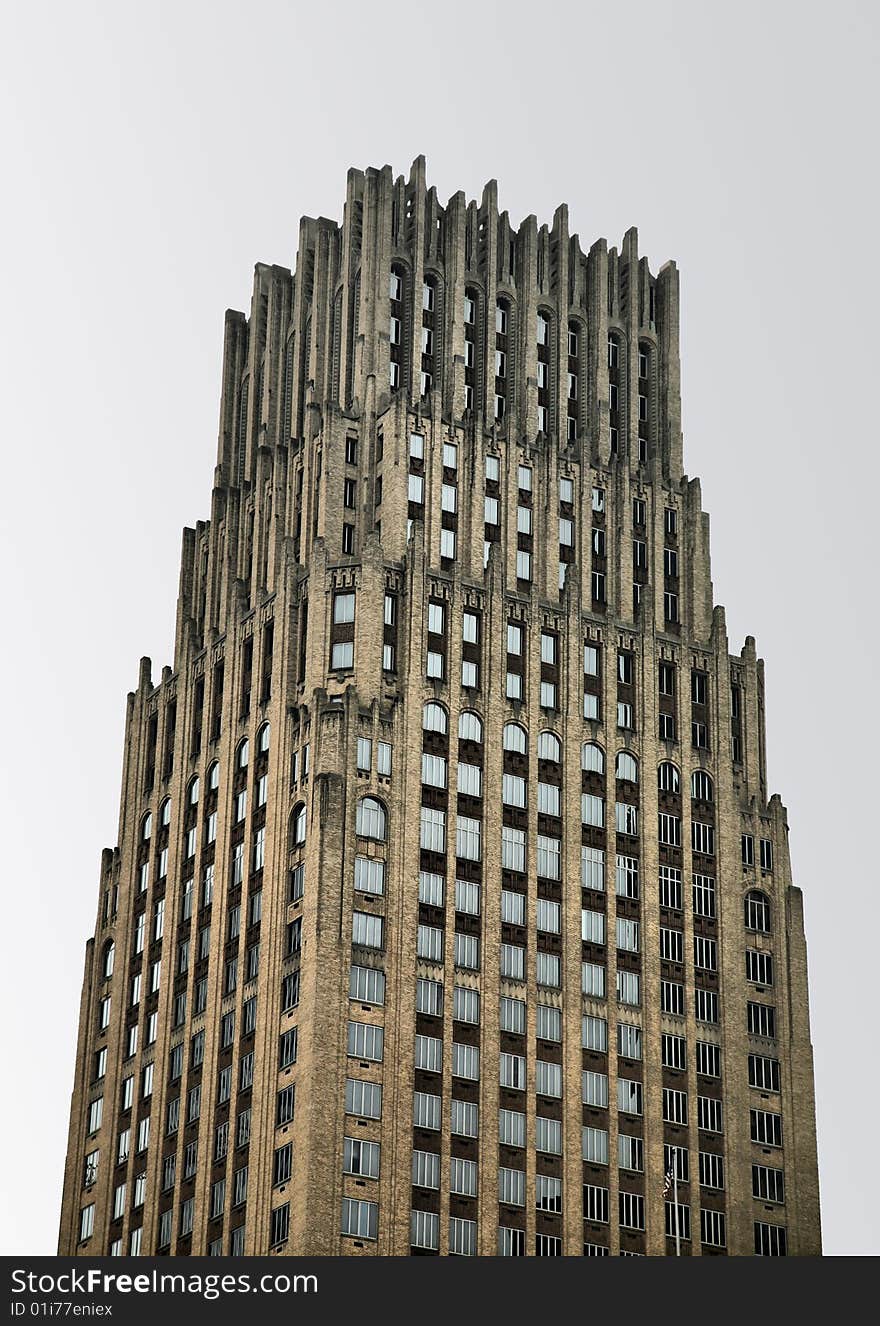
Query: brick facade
{"x": 368, "y": 549}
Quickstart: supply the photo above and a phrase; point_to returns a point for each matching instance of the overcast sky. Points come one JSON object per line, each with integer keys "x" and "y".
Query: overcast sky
{"x": 154, "y": 152}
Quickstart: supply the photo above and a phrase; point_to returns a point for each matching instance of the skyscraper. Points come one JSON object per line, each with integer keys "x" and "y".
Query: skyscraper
{"x": 451, "y": 911}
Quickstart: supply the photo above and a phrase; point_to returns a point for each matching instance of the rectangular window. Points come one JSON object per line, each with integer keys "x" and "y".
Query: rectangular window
{"x": 548, "y": 1190}
{"x": 360, "y": 1218}
{"x": 596, "y": 1204}
{"x": 433, "y": 830}
{"x": 670, "y": 888}
{"x": 369, "y": 874}
{"x": 763, "y": 1072}
{"x": 672, "y": 997}
{"x": 363, "y": 1098}
{"x": 429, "y": 997}
{"x": 343, "y": 608}
{"x": 426, "y": 1111}
{"x": 594, "y": 1089}
{"x": 594, "y": 1145}
{"x": 548, "y": 1023}
{"x": 512, "y": 1071}
{"x": 429, "y": 943}
{"x": 367, "y": 985}
{"x": 470, "y": 779}
{"x": 704, "y": 895}
{"x": 669, "y": 829}
{"x": 628, "y": 987}
{"x": 759, "y": 967}
{"x": 547, "y": 971}
{"x": 593, "y": 869}
{"x": 425, "y": 1169}
{"x": 593, "y": 980}
{"x": 513, "y": 962}
{"x": 513, "y": 849}
{"x": 708, "y": 1059}
{"x": 365, "y": 1041}
{"x": 711, "y": 1170}
{"x": 768, "y": 1184}
{"x": 627, "y": 935}
{"x": 434, "y": 771}
{"x": 512, "y": 1186}
{"x": 513, "y": 1015}
{"x": 706, "y": 1005}
{"x": 631, "y": 1211}
{"x": 627, "y": 819}
{"x": 592, "y": 810}
{"x": 703, "y": 838}
{"x": 465, "y": 1004}
{"x": 429, "y": 1054}
{"x": 342, "y": 655}
{"x": 592, "y": 926}
{"x": 465, "y": 1061}
{"x": 761, "y": 1020}
{"x": 674, "y": 1106}
{"x": 468, "y": 838}
{"x": 765, "y": 1127}
{"x": 630, "y": 1153}
{"x": 548, "y": 857}
{"x": 465, "y": 1119}
{"x": 466, "y": 951}
{"x": 770, "y": 1240}
{"x": 367, "y": 930}
{"x": 511, "y": 1128}
{"x": 710, "y": 1114}
{"x": 431, "y": 888}
{"x": 705, "y": 953}
{"x": 467, "y": 897}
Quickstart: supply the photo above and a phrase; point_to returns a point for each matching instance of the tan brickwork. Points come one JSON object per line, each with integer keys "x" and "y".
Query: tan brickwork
{"x": 311, "y": 500}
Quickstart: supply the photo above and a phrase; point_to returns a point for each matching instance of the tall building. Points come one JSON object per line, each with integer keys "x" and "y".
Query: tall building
{"x": 451, "y": 912}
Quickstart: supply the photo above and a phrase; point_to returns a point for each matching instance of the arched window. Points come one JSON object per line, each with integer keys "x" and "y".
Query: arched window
{"x": 549, "y": 747}
{"x": 298, "y": 825}
{"x": 370, "y": 819}
{"x": 263, "y": 739}
{"x": 592, "y": 758}
{"x": 214, "y": 777}
{"x": 470, "y": 726}
{"x": 627, "y": 767}
{"x": 757, "y": 912}
{"x": 702, "y": 787}
{"x": 165, "y": 812}
{"x": 434, "y": 718}
{"x": 194, "y": 792}
{"x": 147, "y": 827}
{"x": 243, "y": 754}
{"x": 668, "y": 777}
{"x": 109, "y": 957}
{"x": 515, "y": 738}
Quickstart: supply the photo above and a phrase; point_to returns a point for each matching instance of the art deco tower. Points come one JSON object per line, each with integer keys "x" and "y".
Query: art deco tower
{"x": 450, "y": 908}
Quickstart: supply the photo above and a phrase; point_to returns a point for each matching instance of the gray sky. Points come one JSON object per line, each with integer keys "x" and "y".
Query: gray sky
{"x": 154, "y": 153}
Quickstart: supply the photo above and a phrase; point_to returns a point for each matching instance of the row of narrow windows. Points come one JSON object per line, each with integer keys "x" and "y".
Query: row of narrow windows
{"x": 502, "y": 360}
